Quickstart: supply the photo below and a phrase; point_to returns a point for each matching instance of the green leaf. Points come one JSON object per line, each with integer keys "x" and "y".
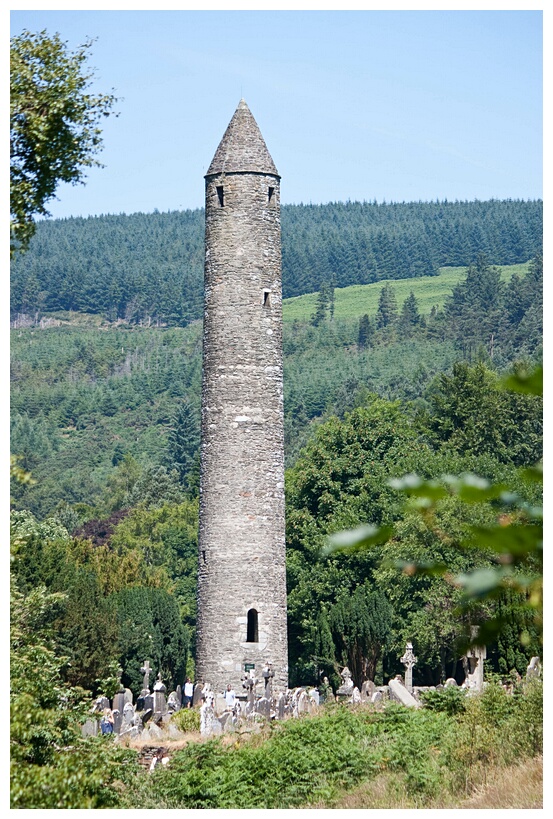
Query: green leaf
{"x": 526, "y": 382}
{"x": 353, "y": 540}
{"x": 517, "y": 541}
{"x": 481, "y": 582}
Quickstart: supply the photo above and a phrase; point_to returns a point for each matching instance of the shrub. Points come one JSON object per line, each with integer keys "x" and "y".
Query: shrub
{"x": 450, "y": 700}
{"x": 187, "y": 719}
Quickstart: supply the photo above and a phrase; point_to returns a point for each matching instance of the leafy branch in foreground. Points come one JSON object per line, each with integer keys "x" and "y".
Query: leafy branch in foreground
{"x": 512, "y": 544}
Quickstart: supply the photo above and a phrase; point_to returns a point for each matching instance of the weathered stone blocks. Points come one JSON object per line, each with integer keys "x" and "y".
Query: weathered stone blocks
{"x": 242, "y": 580}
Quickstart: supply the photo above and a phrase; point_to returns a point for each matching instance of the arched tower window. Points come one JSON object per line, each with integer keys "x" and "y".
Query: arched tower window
{"x": 252, "y": 635}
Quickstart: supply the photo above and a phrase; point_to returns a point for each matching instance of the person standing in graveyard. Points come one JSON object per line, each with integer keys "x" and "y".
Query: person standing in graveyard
{"x": 106, "y": 723}
{"x": 188, "y": 693}
{"x": 230, "y": 697}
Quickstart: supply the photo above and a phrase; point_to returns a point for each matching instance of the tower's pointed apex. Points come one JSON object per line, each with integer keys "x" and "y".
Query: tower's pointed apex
{"x": 242, "y": 147}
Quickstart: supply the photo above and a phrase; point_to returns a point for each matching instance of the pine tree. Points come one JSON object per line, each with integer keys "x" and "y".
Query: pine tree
{"x": 410, "y": 316}
{"x": 387, "y": 307}
{"x": 366, "y": 332}
{"x": 184, "y": 439}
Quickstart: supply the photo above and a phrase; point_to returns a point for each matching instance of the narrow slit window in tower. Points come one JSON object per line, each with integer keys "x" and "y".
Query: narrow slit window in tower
{"x": 271, "y": 191}
{"x": 221, "y": 195}
{"x": 252, "y": 635}
{"x": 266, "y": 298}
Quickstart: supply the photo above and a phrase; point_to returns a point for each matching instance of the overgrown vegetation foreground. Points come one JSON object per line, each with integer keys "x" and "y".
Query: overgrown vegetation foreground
{"x": 433, "y": 757}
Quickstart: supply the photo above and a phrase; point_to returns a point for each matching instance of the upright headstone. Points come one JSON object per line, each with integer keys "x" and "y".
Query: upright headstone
{"x": 268, "y": 674}
{"x": 473, "y": 664}
{"x": 325, "y": 689}
{"x": 207, "y": 716}
{"x": 117, "y": 720}
{"x": 345, "y": 691}
{"x": 160, "y": 700}
{"x": 119, "y": 701}
{"x": 409, "y": 660}
{"x": 198, "y": 695}
{"x": 367, "y": 690}
{"x": 249, "y": 682}
{"x": 128, "y": 716}
{"x": 533, "y": 671}
{"x": 146, "y": 670}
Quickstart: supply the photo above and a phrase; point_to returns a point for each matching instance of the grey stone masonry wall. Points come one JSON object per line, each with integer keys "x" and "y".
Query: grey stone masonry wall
{"x": 241, "y": 543}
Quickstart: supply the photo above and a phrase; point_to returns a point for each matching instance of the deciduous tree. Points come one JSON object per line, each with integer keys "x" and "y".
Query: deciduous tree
{"x": 54, "y": 124}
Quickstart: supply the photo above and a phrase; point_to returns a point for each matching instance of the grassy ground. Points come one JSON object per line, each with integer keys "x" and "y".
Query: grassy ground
{"x": 512, "y": 787}
{"x": 354, "y": 301}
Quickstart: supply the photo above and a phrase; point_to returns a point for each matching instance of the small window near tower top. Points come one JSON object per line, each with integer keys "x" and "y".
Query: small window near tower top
{"x": 252, "y": 635}
{"x": 221, "y": 195}
{"x": 266, "y": 298}
{"x": 271, "y": 191}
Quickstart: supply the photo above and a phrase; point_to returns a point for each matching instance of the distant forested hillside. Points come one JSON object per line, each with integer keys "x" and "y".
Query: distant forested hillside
{"x": 148, "y": 268}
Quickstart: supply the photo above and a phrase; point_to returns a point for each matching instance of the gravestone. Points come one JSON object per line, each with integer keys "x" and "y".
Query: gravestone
{"x": 146, "y": 670}
{"x": 268, "y": 674}
{"x": 220, "y": 704}
{"x": 100, "y": 705}
{"x": 399, "y": 692}
{"x": 263, "y": 707}
{"x": 119, "y": 701}
{"x": 160, "y": 700}
{"x": 198, "y": 695}
{"x": 174, "y": 732}
{"x": 128, "y": 716}
{"x": 409, "y": 660}
{"x": 117, "y": 720}
{"x": 90, "y": 728}
{"x": 207, "y": 716}
{"x": 473, "y": 664}
{"x": 345, "y": 691}
{"x": 173, "y": 704}
{"x": 249, "y": 682}
{"x": 303, "y": 703}
{"x": 367, "y": 690}
{"x": 153, "y": 731}
{"x": 281, "y": 705}
{"x": 377, "y": 697}
{"x": 327, "y": 693}
{"x": 179, "y": 695}
{"x": 533, "y": 672}
{"x": 356, "y": 696}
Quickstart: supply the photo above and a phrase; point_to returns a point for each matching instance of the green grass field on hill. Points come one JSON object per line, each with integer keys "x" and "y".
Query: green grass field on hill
{"x": 354, "y": 301}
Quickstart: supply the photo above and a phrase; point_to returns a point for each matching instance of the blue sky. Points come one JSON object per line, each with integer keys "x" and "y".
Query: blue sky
{"x": 360, "y": 105}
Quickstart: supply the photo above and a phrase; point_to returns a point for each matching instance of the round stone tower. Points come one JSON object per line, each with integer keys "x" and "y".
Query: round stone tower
{"x": 242, "y": 574}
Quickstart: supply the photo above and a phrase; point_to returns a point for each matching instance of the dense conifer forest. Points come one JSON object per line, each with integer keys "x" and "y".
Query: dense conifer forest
{"x": 148, "y": 268}
{"x": 105, "y": 378}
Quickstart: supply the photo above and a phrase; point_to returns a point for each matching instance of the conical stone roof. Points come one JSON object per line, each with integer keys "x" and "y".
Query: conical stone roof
{"x": 242, "y": 147}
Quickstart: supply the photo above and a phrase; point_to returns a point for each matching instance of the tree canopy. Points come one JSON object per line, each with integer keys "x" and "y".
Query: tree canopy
{"x": 54, "y": 124}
